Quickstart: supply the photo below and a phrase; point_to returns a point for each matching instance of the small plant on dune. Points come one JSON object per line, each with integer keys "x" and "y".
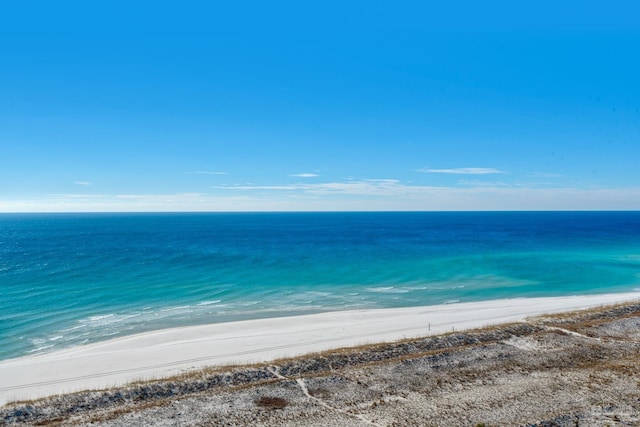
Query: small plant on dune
{"x": 270, "y": 402}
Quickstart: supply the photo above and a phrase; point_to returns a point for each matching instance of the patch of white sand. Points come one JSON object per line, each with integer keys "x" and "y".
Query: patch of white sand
{"x": 172, "y": 351}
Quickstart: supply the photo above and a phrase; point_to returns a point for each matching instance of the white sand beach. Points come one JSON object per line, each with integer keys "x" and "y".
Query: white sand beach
{"x": 173, "y": 351}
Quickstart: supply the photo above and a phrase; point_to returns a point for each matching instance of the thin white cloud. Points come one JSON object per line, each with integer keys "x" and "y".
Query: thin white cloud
{"x": 84, "y": 183}
{"x": 544, "y": 175}
{"x": 478, "y": 183}
{"x": 77, "y": 196}
{"x": 177, "y": 196}
{"x": 305, "y": 175}
{"x": 371, "y": 187}
{"x": 207, "y": 173}
{"x": 251, "y": 187}
{"x": 464, "y": 171}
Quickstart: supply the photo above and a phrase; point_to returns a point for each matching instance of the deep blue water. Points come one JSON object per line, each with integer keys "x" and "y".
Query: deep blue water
{"x": 68, "y": 279}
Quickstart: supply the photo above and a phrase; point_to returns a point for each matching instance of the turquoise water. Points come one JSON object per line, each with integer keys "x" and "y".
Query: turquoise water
{"x": 69, "y": 279}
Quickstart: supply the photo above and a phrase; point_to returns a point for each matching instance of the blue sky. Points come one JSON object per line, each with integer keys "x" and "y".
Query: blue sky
{"x": 364, "y": 105}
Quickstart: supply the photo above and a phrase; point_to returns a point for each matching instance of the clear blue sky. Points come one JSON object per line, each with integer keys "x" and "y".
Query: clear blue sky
{"x": 319, "y": 105}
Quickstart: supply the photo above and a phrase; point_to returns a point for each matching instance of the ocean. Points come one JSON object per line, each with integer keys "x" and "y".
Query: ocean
{"x": 72, "y": 279}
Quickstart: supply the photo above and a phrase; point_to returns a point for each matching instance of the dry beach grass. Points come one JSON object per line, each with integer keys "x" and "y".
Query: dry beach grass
{"x": 565, "y": 369}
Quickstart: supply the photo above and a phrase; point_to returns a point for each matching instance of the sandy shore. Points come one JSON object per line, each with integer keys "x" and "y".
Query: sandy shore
{"x": 172, "y": 351}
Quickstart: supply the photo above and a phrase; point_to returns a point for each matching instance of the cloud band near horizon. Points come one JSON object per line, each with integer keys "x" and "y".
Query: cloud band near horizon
{"x": 371, "y": 195}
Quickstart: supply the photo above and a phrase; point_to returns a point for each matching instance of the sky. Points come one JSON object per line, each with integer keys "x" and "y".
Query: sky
{"x": 319, "y": 105}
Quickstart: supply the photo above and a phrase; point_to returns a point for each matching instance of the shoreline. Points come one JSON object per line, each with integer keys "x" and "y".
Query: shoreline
{"x": 168, "y": 352}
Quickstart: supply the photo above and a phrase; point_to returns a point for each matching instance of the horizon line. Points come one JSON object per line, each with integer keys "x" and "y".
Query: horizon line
{"x": 320, "y": 211}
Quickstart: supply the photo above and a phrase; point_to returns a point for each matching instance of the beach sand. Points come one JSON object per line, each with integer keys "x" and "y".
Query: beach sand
{"x": 173, "y": 351}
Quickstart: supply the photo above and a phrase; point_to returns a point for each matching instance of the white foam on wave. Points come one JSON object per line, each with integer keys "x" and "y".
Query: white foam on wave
{"x": 319, "y": 293}
{"x": 250, "y": 303}
{"x": 210, "y": 302}
{"x": 40, "y": 345}
{"x": 74, "y": 328}
{"x": 389, "y": 290}
{"x": 100, "y": 317}
{"x": 484, "y": 281}
{"x": 103, "y": 326}
{"x": 109, "y": 319}
{"x": 178, "y": 308}
{"x": 41, "y": 348}
{"x": 416, "y": 288}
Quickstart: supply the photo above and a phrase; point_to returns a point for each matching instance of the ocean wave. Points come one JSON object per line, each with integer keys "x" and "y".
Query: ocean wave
{"x": 319, "y": 293}
{"x": 178, "y": 308}
{"x": 41, "y": 349}
{"x": 108, "y": 319}
{"x": 389, "y": 290}
{"x": 449, "y": 288}
{"x": 74, "y": 328}
{"x": 210, "y": 302}
{"x": 249, "y": 303}
{"x": 101, "y": 317}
